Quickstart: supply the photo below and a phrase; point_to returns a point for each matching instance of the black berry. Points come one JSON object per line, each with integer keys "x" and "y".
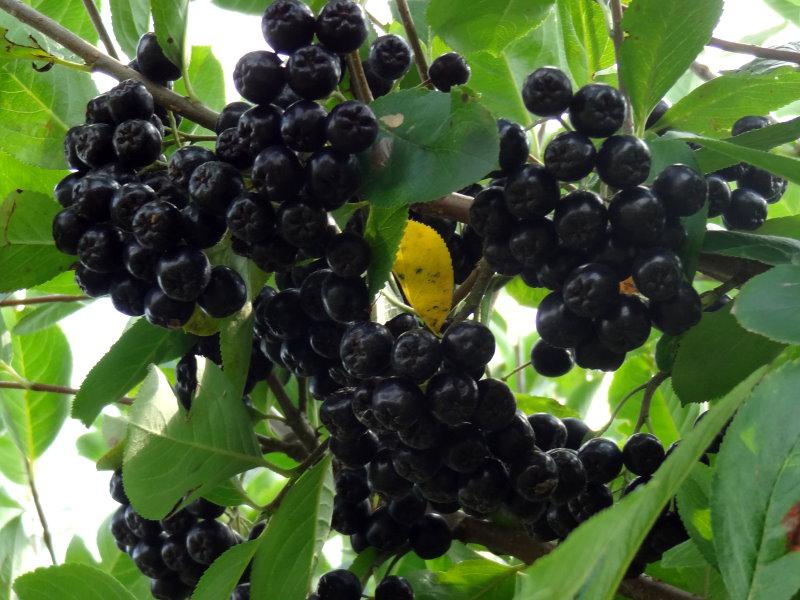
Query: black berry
{"x": 597, "y": 110}
{"x": 571, "y": 156}
{"x": 448, "y": 70}
{"x": 623, "y": 161}
{"x": 547, "y": 92}
{"x": 259, "y": 76}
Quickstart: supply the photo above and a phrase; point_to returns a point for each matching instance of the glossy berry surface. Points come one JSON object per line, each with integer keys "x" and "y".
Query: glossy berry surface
{"x": 258, "y": 76}
{"x": 514, "y": 145}
{"x": 570, "y": 156}
{"x": 167, "y": 312}
{"x": 430, "y": 537}
{"x": 496, "y": 405}
{"x": 303, "y": 126}
{"x": 532, "y": 241}
{"x": 550, "y": 361}
{"x": 602, "y": 459}
{"x": 549, "y": 430}
{"x": 770, "y": 186}
{"x": 183, "y": 274}
{"x": 531, "y": 192}
{"x": 658, "y": 274}
{"x": 416, "y": 354}
{"x": 339, "y": 585}
{"x": 682, "y": 190}
{"x": 678, "y": 314}
{"x": 571, "y": 475}
{"x": 448, "y": 70}
{"x": 580, "y": 220}
{"x": 719, "y": 195}
{"x": 483, "y": 492}
{"x": 313, "y": 72}
{"x": 558, "y": 325}
{"x": 341, "y": 26}
{"x": 224, "y": 294}
{"x": 577, "y": 432}
{"x": 590, "y": 290}
{"x": 452, "y": 397}
{"x": 489, "y": 215}
{"x": 393, "y": 587}
{"x": 152, "y": 61}
{"x": 390, "y": 56}
{"x": 637, "y": 215}
{"x": 547, "y": 92}
{"x": 597, "y": 110}
{"x": 366, "y": 349}
{"x": 643, "y": 454}
{"x": 288, "y": 25}
{"x": 214, "y": 185}
{"x": 469, "y": 345}
{"x": 351, "y": 127}
{"x": 623, "y": 161}
{"x": 538, "y": 477}
{"x": 593, "y": 354}
{"x": 626, "y": 326}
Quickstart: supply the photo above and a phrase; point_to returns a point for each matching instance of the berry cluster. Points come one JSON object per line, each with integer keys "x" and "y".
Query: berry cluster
{"x": 587, "y": 247}
{"x": 344, "y": 585}
{"x": 746, "y": 206}
{"x": 176, "y": 551}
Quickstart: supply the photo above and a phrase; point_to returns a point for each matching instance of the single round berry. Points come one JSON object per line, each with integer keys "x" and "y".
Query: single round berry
{"x": 232, "y": 148}
{"x": 208, "y": 540}
{"x": 92, "y": 283}
{"x": 550, "y": 431}
{"x": 590, "y": 290}
{"x": 378, "y": 85}
{"x": 488, "y": 214}
{"x": 177, "y": 524}
{"x": 345, "y": 300}
{"x": 626, "y": 326}
{"x": 430, "y": 537}
{"x": 357, "y": 453}
{"x": 127, "y": 200}
{"x": 655, "y": 115}
{"x": 398, "y": 403}
{"x": 214, "y": 186}
{"x": 658, "y": 273}
{"x": 348, "y": 518}
{"x": 288, "y": 25}
{"x": 637, "y": 216}
{"x": 484, "y": 491}
{"x": 571, "y": 475}
{"x": 313, "y": 72}
{"x": 94, "y": 145}
{"x": 577, "y": 432}
{"x": 747, "y": 210}
{"x": 597, "y": 110}
{"x": 229, "y": 116}
{"x": 464, "y": 449}
{"x": 137, "y": 143}
{"x": 592, "y": 354}
{"x": 393, "y": 587}
{"x": 749, "y": 123}
{"x": 468, "y": 345}
{"x": 559, "y": 326}
{"x": 416, "y": 466}
{"x": 514, "y": 146}
{"x": 623, "y": 161}
{"x": 384, "y": 479}
{"x": 341, "y": 26}
{"x": 595, "y": 498}
{"x": 277, "y": 173}
{"x": 152, "y": 62}
{"x": 184, "y": 162}
{"x": 390, "y": 56}
{"x": 100, "y": 248}
{"x": 130, "y": 99}
{"x": 770, "y": 186}
{"x": 417, "y": 354}
{"x": 258, "y": 76}
{"x": 452, "y": 397}
{"x": 448, "y": 70}
{"x": 550, "y": 361}
{"x": 282, "y": 315}
{"x": 602, "y": 460}
{"x": 142, "y": 528}
{"x": 163, "y": 311}
{"x": 333, "y": 177}
{"x": 64, "y": 189}
{"x": 384, "y": 533}
{"x": 251, "y": 219}
{"x": 311, "y": 295}
{"x": 678, "y": 314}
{"x": 682, "y": 190}
{"x": 348, "y": 255}
{"x": 128, "y": 294}
{"x": 201, "y": 229}
{"x": 225, "y": 294}
{"x": 531, "y": 192}
{"x": 120, "y": 530}
{"x": 547, "y": 92}
{"x": 260, "y": 127}
{"x": 68, "y": 229}
{"x": 183, "y": 274}
{"x": 147, "y": 557}
{"x": 643, "y": 454}
{"x": 496, "y": 405}
{"x": 366, "y": 349}
{"x": 538, "y": 477}
{"x": 92, "y": 197}
{"x": 580, "y": 220}
{"x": 532, "y": 241}
{"x": 116, "y": 489}
{"x": 175, "y": 555}
{"x": 336, "y": 413}
{"x": 352, "y": 127}
{"x": 303, "y": 126}
{"x": 351, "y": 485}
{"x": 570, "y": 156}
{"x": 515, "y": 442}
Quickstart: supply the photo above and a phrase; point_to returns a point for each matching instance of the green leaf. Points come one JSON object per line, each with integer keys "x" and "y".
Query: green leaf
{"x": 226, "y": 494}
{"x": 787, "y": 227}
{"x": 695, "y": 512}
{"x": 788, "y": 9}
{"x": 767, "y": 249}
{"x": 535, "y": 404}
{"x": 12, "y": 466}
{"x": 27, "y": 253}
{"x": 284, "y": 563}
{"x": 35, "y": 113}
{"x": 169, "y": 453}
{"x": 36, "y": 318}
{"x": 119, "y": 564}
{"x": 222, "y": 576}
{"x": 383, "y": 232}
{"x": 468, "y": 580}
{"x": 488, "y": 24}
{"x": 17, "y": 175}
{"x": 130, "y": 20}
{"x": 35, "y": 418}
{"x": 125, "y": 365}
{"x": 761, "y": 139}
{"x": 68, "y": 13}
{"x": 662, "y": 40}
{"x": 77, "y": 552}
{"x": 206, "y": 75}
{"x": 524, "y": 294}
{"x": 592, "y": 561}
{"x": 759, "y": 467}
{"x": 12, "y": 544}
{"x": 430, "y": 144}
{"x": 783, "y": 166}
{"x": 169, "y": 21}
{"x": 715, "y": 106}
{"x": 70, "y": 582}
{"x": 770, "y": 303}
{"x": 715, "y": 355}
{"x": 584, "y": 39}
{"x": 236, "y": 345}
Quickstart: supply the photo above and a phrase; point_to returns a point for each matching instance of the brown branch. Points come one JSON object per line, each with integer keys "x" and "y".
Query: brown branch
{"x": 294, "y": 418}
{"x": 649, "y": 392}
{"x": 618, "y": 36}
{"x": 358, "y": 78}
{"x": 46, "y": 387}
{"x": 292, "y": 450}
{"x": 465, "y": 288}
{"x": 103, "y": 63}
{"x": 454, "y": 206}
{"x": 42, "y": 300}
{"x": 309, "y": 462}
{"x": 482, "y": 280}
{"x": 757, "y": 51}
{"x": 704, "y": 72}
{"x": 507, "y": 541}
{"x": 413, "y": 39}
{"x": 97, "y": 21}
{"x": 48, "y": 539}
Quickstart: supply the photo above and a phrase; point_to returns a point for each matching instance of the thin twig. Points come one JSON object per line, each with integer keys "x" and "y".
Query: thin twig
{"x": 48, "y": 539}
{"x": 461, "y": 291}
{"x": 710, "y": 297}
{"x": 413, "y": 39}
{"x": 302, "y": 394}
{"x": 518, "y": 369}
{"x": 103, "y": 63}
{"x": 269, "y": 445}
{"x": 618, "y": 35}
{"x": 294, "y": 418}
{"x": 649, "y": 392}
{"x": 358, "y": 78}
{"x": 757, "y": 51}
{"x": 455, "y": 206}
{"x": 97, "y": 21}
{"x": 46, "y": 387}
{"x": 43, "y": 300}
{"x": 312, "y": 459}
{"x": 473, "y": 300}
{"x": 619, "y": 408}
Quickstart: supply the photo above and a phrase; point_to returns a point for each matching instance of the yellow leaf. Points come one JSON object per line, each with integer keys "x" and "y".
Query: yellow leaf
{"x": 425, "y": 272}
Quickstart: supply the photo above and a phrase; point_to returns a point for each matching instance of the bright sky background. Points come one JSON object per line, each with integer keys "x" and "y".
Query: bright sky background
{"x": 74, "y": 495}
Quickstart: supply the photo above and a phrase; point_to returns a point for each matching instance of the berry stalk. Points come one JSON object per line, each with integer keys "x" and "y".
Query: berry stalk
{"x": 413, "y": 39}
{"x": 97, "y": 21}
